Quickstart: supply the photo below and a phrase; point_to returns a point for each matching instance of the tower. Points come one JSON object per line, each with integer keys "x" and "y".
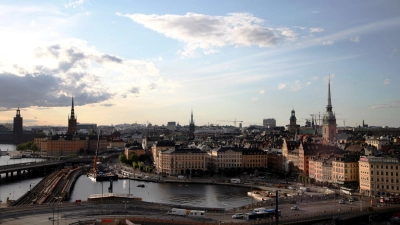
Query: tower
{"x": 329, "y": 120}
{"x": 293, "y": 125}
{"x": 72, "y": 120}
{"x": 17, "y": 127}
{"x": 191, "y": 124}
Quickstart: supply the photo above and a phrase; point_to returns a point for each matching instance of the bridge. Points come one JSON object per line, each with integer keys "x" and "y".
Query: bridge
{"x": 30, "y": 167}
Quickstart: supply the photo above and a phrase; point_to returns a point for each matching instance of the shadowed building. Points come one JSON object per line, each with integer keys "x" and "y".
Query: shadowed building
{"x": 72, "y": 120}
{"x": 17, "y": 135}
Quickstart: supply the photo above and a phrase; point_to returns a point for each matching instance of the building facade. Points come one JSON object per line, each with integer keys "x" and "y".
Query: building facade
{"x": 379, "y": 176}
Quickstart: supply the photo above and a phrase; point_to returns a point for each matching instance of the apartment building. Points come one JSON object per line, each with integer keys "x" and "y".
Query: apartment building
{"x": 345, "y": 171}
{"x": 254, "y": 158}
{"x": 65, "y": 145}
{"x": 185, "y": 161}
{"x": 378, "y": 142}
{"x": 379, "y": 176}
{"x": 225, "y": 157}
{"x": 159, "y": 146}
{"x": 134, "y": 148}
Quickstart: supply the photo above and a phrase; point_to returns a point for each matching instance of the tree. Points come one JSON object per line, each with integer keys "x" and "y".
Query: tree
{"x": 122, "y": 158}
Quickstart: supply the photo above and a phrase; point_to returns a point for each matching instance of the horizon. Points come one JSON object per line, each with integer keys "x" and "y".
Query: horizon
{"x": 153, "y": 62}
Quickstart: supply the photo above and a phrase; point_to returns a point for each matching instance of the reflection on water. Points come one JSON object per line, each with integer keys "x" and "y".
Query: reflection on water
{"x": 220, "y": 196}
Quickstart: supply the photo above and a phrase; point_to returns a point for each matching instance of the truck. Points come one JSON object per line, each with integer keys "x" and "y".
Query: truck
{"x": 178, "y": 212}
{"x": 235, "y": 181}
{"x": 196, "y": 213}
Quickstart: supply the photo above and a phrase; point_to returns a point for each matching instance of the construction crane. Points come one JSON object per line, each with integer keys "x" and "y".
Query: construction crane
{"x": 234, "y": 121}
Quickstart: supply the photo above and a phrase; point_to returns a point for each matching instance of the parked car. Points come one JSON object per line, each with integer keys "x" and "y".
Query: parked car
{"x": 294, "y": 207}
{"x": 341, "y": 201}
{"x": 237, "y": 216}
{"x": 351, "y": 200}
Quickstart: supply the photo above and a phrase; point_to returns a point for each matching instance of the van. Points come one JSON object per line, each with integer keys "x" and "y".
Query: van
{"x": 181, "y": 177}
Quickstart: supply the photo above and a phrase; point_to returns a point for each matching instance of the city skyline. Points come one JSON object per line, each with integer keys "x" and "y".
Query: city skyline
{"x": 155, "y": 61}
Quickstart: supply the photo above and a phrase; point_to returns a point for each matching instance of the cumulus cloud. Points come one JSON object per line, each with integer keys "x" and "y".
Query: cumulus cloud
{"x": 254, "y": 99}
{"x": 208, "y": 33}
{"x": 261, "y": 92}
{"x": 355, "y": 39}
{"x": 296, "y": 86}
{"x": 281, "y": 86}
{"x": 74, "y": 4}
{"x": 327, "y": 43}
{"x": 316, "y": 30}
{"x": 308, "y": 83}
{"x": 388, "y": 104}
{"x": 386, "y": 82}
{"x": 47, "y": 75}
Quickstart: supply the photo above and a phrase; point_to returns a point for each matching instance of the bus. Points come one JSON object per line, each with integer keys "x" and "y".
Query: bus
{"x": 261, "y": 214}
{"x": 346, "y": 191}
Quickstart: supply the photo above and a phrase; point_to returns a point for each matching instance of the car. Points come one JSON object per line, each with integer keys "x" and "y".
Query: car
{"x": 341, "y": 201}
{"x": 237, "y": 216}
{"x": 351, "y": 200}
{"x": 294, "y": 207}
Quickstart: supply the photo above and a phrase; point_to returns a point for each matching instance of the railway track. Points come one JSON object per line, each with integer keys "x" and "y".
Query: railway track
{"x": 53, "y": 188}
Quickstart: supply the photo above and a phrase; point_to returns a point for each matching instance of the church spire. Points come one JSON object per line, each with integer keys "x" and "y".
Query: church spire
{"x": 329, "y": 106}
{"x": 191, "y": 117}
{"x": 72, "y": 109}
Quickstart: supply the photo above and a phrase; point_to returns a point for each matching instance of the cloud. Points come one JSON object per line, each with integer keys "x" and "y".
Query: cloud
{"x": 316, "y": 30}
{"x": 328, "y": 42}
{"x": 135, "y": 90}
{"x": 314, "y": 78}
{"x": 281, "y": 86}
{"x": 314, "y": 11}
{"x": 208, "y": 33}
{"x": 74, "y": 4}
{"x": 386, "y": 82}
{"x": 308, "y": 83}
{"x": 355, "y": 39}
{"x": 261, "y": 92}
{"x": 47, "y": 75}
{"x": 296, "y": 86}
{"x": 107, "y": 104}
{"x": 254, "y": 99}
{"x": 389, "y": 104}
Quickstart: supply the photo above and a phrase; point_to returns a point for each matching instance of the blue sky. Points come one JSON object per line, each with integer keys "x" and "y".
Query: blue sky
{"x": 138, "y": 61}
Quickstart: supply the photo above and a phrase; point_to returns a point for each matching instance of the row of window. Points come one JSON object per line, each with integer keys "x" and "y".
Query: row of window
{"x": 387, "y": 173}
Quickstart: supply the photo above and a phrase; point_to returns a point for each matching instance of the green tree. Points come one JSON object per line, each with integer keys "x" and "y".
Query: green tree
{"x": 122, "y": 158}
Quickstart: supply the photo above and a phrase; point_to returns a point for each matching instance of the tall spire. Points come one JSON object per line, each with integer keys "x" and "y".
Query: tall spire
{"x": 191, "y": 117}
{"x": 329, "y": 106}
{"x": 72, "y": 109}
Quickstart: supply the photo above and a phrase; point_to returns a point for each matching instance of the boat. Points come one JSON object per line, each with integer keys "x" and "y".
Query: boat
{"x": 96, "y": 175}
{"x": 141, "y": 185}
{"x": 16, "y": 156}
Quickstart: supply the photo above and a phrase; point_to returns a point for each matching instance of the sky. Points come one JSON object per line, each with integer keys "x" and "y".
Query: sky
{"x": 133, "y": 61}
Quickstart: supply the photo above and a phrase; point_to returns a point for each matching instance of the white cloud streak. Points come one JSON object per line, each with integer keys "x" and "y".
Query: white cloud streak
{"x": 281, "y": 86}
{"x": 386, "y": 82}
{"x": 389, "y": 104}
{"x": 208, "y": 33}
{"x": 355, "y": 39}
{"x": 261, "y": 92}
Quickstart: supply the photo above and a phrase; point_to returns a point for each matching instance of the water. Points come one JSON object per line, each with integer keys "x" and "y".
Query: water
{"x": 16, "y": 188}
{"x": 220, "y": 196}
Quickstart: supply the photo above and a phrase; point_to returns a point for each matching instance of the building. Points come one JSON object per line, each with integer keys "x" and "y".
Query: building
{"x": 134, "y": 148}
{"x": 270, "y": 122}
{"x": 191, "y": 125}
{"x": 157, "y": 147}
{"x": 171, "y": 125}
{"x": 329, "y": 120}
{"x": 225, "y": 157}
{"x": 379, "y": 176}
{"x": 17, "y": 135}
{"x": 184, "y": 161}
{"x": 308, "y": 150}
{"x": 72, "y": 120}
{"x": 345, "y": 171}
{"x": 65, "y": 145}
{"x": 254, "y": 158}
{"x": 377, "y": 142}
{"x": 292, "y": 124}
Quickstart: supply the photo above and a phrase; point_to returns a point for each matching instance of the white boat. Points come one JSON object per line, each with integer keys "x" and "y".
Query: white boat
{"x": 16, "y": 156}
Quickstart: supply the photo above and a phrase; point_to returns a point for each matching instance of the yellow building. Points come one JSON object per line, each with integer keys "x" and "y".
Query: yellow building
{"x": 134, "y": 148}
{"x": 345, "y": 171}
{"x": 254, "y": 158}
{"x": 41, "y": 142}
{"x": 157, "y": 148}
{"x": 226, "y": 157}
{"x": 379, "y": 176}
{"x": 183, "y": 161}
{"x": 65, "y": 145}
